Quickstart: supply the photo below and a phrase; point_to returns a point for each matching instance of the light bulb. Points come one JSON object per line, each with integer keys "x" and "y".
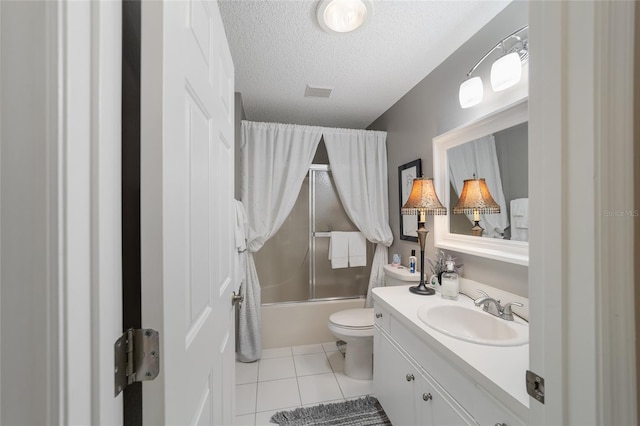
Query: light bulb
{"x": 506, "y": 71}
{"x": 471, "y": 92}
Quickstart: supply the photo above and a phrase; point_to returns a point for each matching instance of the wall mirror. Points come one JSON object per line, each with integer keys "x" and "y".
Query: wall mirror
{"x": 494, "y": 148}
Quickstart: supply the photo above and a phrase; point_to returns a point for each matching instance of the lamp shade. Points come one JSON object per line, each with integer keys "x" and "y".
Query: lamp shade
{"x": 476, "y": 198}
{"x": 506, "y": 71}
{"x": 423, "y": 199}
{"x": 471, "y": 92}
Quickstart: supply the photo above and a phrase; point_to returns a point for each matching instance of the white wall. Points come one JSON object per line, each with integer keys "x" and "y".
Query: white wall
{"x": 24, "y": 294}
{"x": 60, "y": 292}
{"x": 431, "y": 108}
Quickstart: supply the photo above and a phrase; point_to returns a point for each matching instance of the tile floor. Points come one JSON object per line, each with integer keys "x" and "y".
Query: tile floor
{"x": 291, "y": 377}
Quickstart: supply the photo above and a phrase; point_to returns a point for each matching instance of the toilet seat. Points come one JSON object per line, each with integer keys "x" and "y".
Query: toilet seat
{"x": 353, "y": 319}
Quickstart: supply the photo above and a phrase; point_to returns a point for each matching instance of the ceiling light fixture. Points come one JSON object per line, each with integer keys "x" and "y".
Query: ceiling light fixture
{"x": 505, "y": 71}
{"x": 343, "y": 16}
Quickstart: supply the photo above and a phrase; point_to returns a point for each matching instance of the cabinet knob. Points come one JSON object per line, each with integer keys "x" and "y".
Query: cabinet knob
{"x": 410, "y": 377}
{"x": 378, "y": 314}
{"x": 427, "y": 396}
{"x": 501, "y": 424}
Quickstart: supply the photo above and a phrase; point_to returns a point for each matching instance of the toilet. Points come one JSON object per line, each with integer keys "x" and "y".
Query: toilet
{"x": 355, "y": 327}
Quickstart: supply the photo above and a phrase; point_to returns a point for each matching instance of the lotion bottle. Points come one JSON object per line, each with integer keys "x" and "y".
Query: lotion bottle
{"x": 412, "y": 261}
{"x": 450, "y": 282}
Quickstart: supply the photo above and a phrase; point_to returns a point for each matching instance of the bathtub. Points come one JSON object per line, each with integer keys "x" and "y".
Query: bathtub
{"x": 301, "y": 323}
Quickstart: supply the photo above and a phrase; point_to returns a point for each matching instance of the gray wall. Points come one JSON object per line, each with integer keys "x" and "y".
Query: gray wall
{"x": 637, "y": 194}
{"x": 512, "y": 152}
{"x": 431, "y": 108}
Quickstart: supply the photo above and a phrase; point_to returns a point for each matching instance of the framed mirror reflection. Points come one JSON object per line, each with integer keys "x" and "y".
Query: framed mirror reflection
{"x": 481, "y": 175}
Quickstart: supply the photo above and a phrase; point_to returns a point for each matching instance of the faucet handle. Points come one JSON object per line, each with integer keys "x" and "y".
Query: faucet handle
{"x": 507, "y": 313}
{"x": 482, "y": 292}
{"x": 479, "y": 301}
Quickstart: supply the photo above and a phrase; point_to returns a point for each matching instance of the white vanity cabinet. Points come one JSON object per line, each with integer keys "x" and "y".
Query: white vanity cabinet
{"x": 407, "y": 394}
{"x": 417, "y": 385}
{"x": 394, "y": 382}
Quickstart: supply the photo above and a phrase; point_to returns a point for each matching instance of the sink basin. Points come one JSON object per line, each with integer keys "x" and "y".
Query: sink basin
{"x": 473, "y": 325}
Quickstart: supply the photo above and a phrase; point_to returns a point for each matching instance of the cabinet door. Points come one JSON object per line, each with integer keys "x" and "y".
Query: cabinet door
{"x": 438, "y": 408}
{"x": 488, "y": 411}
{"x": 394, "y": 380}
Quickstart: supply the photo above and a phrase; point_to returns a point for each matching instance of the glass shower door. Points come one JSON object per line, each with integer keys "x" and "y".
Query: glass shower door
{"x": 328, "y": 215}
{"x": 294, "y": 264}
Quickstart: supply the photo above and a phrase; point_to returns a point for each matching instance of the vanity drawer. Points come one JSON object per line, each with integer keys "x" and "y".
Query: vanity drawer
{"x": 382, "y": 318}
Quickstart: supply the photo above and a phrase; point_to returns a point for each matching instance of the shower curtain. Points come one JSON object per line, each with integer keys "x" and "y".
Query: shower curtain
{"x": 358, "y": 161}
{"x": 479, "y": 157}
{"x": 275, "y": 158}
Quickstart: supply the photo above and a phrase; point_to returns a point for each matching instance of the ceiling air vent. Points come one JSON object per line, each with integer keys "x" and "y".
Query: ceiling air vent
{"x": 317, "y": 92}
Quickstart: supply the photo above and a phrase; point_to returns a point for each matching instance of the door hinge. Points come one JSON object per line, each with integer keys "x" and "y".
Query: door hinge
{"x": 137, "y": 357}
{"x": 535, "y": 386}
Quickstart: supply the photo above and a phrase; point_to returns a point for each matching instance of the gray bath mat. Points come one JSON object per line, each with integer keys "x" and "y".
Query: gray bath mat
{"x": 365, "y": 411}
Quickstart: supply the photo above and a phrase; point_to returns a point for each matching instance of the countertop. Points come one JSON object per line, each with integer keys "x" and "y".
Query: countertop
{"x": 499, "y": 369}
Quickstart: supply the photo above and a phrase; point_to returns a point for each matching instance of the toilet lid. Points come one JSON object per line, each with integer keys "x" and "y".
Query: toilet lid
{"x": 353, "y": 318}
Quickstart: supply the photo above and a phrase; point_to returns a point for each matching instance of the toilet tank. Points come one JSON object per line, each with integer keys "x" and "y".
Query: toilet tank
{"x": 394, "y": 275}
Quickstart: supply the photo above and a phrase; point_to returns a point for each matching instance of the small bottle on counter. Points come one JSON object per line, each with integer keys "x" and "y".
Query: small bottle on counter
{"x": 412, "y": 261}
{"x": 450, "y": 282}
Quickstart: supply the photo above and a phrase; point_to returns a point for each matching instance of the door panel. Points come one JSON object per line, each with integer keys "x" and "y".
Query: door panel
{"x": 187, "y": 211}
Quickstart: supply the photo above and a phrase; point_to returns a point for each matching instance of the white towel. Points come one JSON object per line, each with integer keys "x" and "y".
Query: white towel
{"x": 241, "y": 227}
{"x": 357, "y": 249}
{"x": 339, "y": 249}
{"x": 520, "y": 219}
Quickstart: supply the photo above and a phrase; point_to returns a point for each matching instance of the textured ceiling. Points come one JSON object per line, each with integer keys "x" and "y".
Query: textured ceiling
{"x": 278, "y": 49}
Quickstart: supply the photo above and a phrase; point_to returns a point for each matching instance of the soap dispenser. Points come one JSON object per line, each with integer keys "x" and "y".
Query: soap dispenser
{"x": 450, "y": 283}
{"x": 412, "y": 261}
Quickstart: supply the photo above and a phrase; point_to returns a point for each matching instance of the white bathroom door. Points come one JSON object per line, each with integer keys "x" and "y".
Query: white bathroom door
{"x": 187, "y": 215}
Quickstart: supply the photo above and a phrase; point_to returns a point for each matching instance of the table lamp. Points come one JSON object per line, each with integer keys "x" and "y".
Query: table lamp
{"x": 422, "y": 201}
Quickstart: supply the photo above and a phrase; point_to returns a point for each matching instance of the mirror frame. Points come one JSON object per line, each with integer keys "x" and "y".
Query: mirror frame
{"x": 503, "y": 250}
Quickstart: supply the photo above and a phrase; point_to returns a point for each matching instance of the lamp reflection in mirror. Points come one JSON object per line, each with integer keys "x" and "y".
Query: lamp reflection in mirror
{"x": 476, "y": 199}
{"x": 423, "y": 201}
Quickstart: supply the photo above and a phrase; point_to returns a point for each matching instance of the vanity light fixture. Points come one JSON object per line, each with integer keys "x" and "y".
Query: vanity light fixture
{"x": 476, "y": 199}
{"x": 471, "y": 92}
{"x": 343, "y": 16}
{"x": 505, "y": 71}
{"x": 423, "y": 201}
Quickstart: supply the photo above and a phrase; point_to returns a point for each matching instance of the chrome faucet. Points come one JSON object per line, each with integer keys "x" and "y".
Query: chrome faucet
{"x": 494, "y": 307}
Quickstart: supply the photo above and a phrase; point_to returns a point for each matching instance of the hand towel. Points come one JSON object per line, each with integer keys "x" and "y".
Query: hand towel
{"x": 241, "y": 227}
{"x": 357, "y": 249}
{"x": 520, "y": 219}
{"x": 241, "y": 231}
{"x": 339, "y": 249}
